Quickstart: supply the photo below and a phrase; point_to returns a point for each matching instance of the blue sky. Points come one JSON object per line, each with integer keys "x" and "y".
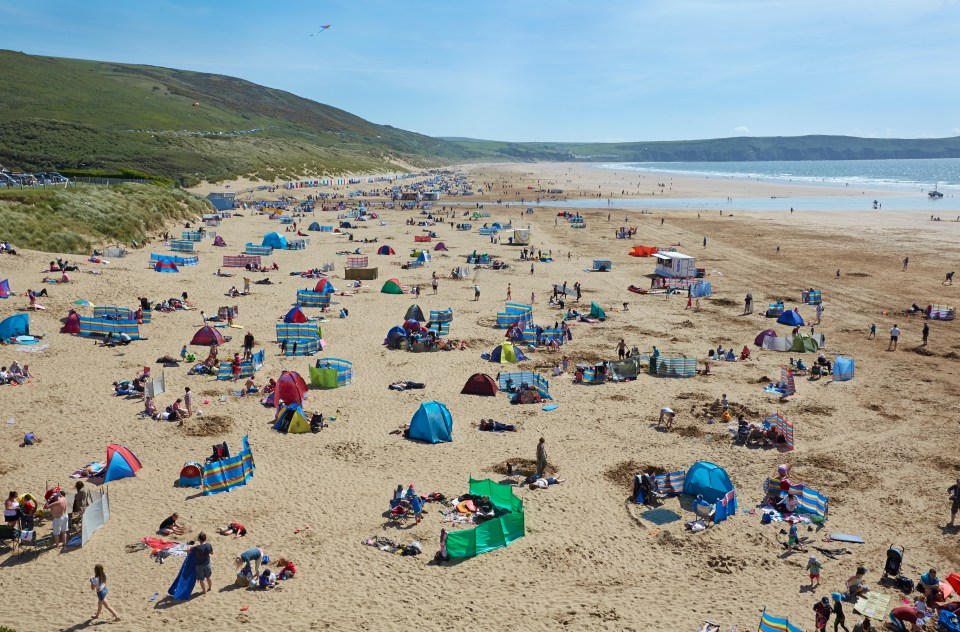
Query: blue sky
{"x": 607, "y": 70}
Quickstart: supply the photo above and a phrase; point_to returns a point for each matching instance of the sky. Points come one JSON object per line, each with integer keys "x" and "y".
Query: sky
{"x": 535, "y": 70}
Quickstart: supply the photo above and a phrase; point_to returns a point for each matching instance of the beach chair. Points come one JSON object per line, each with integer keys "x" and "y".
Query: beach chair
{"x": 10, "y": 536}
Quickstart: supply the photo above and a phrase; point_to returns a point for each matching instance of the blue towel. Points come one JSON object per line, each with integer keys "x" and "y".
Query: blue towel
{"x": 182, "y": 586}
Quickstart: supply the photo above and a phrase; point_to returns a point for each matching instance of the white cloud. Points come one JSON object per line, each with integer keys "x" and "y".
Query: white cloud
{"x": 743, "y": 130}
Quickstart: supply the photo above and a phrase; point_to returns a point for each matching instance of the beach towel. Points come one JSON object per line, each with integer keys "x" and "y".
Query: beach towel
{"x": 182, "y": 586}
{"x": 875, "y": 605}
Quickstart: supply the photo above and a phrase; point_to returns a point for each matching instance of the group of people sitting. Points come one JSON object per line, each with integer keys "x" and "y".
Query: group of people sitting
{"x": 15, "y": 374}
{"x": 821, "y": 367}
{"x": 727, "y": 355}
{"x": 63, "y": 266}
{"x": 765, "y": 433}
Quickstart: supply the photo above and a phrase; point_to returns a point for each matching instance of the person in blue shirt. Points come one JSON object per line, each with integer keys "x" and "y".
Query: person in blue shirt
{"x": 416, "y": 503}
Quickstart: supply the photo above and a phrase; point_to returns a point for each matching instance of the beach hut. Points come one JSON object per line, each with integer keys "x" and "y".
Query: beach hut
{"x": 275, "y": 241}
{"x": 791, "y": 318}
{"x": 675, "y": 265}
{"x": 441, "y": 246}
{"x": 165, "y": 265}
{"x": 121, "y": 463}
{"x": 480, "y": 384}
{"x": 295, "y": 315}
{"x": 207, "y": 335}
{"x": 290, "y": 389}
{"x": 392, "y": 286}
{"x": 432, "y": 423}
{"x": 414, "y": 313}
{"x": 13, "y": 326}
{"x": 386, "y": 250}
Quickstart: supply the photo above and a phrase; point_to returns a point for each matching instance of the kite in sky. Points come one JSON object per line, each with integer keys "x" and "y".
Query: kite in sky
{"x": 322, "y": 29}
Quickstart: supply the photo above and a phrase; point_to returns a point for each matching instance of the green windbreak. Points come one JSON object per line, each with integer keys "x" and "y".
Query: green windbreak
{"x": 492, "y": 534}
{"x": 323, "y": 378}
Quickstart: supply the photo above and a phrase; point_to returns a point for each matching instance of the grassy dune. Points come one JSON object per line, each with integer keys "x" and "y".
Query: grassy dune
{"x": 77, "y": 220}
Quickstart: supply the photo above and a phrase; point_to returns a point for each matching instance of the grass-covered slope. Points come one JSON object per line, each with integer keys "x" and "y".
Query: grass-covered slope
{"x": 76, "y": 220}
{"x": 69, "y": 113}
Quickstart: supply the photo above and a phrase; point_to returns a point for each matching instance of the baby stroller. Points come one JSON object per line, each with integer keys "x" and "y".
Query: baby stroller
{"x": 894, "y": 562}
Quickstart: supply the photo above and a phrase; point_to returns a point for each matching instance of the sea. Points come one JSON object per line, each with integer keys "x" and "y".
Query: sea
{"x": 895, "y": 185}
{"x": 908, "y": 174}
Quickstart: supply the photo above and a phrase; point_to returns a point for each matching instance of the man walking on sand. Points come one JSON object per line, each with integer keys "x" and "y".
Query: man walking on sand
{"x": 906, "y": 262}
{"x": 926, "y": 333}
{"x": 748, "y": 303}
{"x": 541, "y": 457}
{"x": 894, "y": 338}
{"x": 435, "y": 282}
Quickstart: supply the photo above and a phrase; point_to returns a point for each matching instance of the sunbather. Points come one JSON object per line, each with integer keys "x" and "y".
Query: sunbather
{"x": 235, "y": 529}
{"x": 544, "y": 482}
{"x": 489, "y": 425}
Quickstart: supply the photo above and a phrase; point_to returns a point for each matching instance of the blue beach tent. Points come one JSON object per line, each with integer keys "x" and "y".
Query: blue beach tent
{"x": 16, "y": 325}
{"x": 432, "y": 423}
{"x": 707, "y": 480}
{"x": 275, "y": 241}
{"x": 791, "y": 318}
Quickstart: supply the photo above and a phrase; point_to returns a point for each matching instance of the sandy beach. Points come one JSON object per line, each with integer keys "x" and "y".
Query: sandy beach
{"x": 879, "y": 446}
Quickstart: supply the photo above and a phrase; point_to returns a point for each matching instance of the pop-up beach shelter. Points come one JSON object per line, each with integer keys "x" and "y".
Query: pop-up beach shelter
{"x": 324, "y": 286}
{"x": 597, "y": 312}
{"x": 424, "y": 256}
{"x": 218, "y": 241}
{"x": 191, "y": 475}
{"x": 290, "y": 388}
{"x": 121, "y": 463}
{"x": 440, "y": 246}
{"x": 392, "y": 286}
{"x": 275, "y": 241}
{"x": 707, "y": 480}
{"x": 432, "y": 423}
{"x": 292, "y": 419}
{"x": 414, "y": 313}
{"x": 72, "y": 324}
{"x": 480, "y": 384}
{"x": 385, "y": 250}
{"x": 206, "y": 335}
{"x": 13, "y": 326}
{"x": 315, "y": 226}
{"x": 791, "y": 318}
{"x": 763, "y": 335}
{"x": 165, "y": 265}
{"x": 491, "y": 534}
{"x": 506, "y": 352}
{"x": 295, "y": 315}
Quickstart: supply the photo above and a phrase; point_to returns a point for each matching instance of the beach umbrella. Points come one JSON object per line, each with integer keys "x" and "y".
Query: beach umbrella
{"x": 84, "y": 302}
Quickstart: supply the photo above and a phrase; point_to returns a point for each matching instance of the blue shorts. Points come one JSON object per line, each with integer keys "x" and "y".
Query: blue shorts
{"x": 102, "y": 593}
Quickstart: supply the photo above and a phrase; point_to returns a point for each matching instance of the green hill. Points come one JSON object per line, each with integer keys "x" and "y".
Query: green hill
{"x": 720, "y": 149}
{"x": 75, "y": 114}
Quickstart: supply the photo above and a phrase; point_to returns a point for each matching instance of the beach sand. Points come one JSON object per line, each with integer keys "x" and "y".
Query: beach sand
{"x": 881, "y": 447}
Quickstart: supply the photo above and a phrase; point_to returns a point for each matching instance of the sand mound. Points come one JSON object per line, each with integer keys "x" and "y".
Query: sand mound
{"x": 622, "y": 473}
{"x": 522, "y": 466}
{"x": 207, "y": 426}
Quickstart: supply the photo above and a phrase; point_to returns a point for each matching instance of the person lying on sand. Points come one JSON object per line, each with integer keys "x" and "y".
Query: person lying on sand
{"x": 489, "y": 425}
{"x": 235, "y": 529}
{"x": 544, "y": 482}
{"x": 94, "y": 469}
